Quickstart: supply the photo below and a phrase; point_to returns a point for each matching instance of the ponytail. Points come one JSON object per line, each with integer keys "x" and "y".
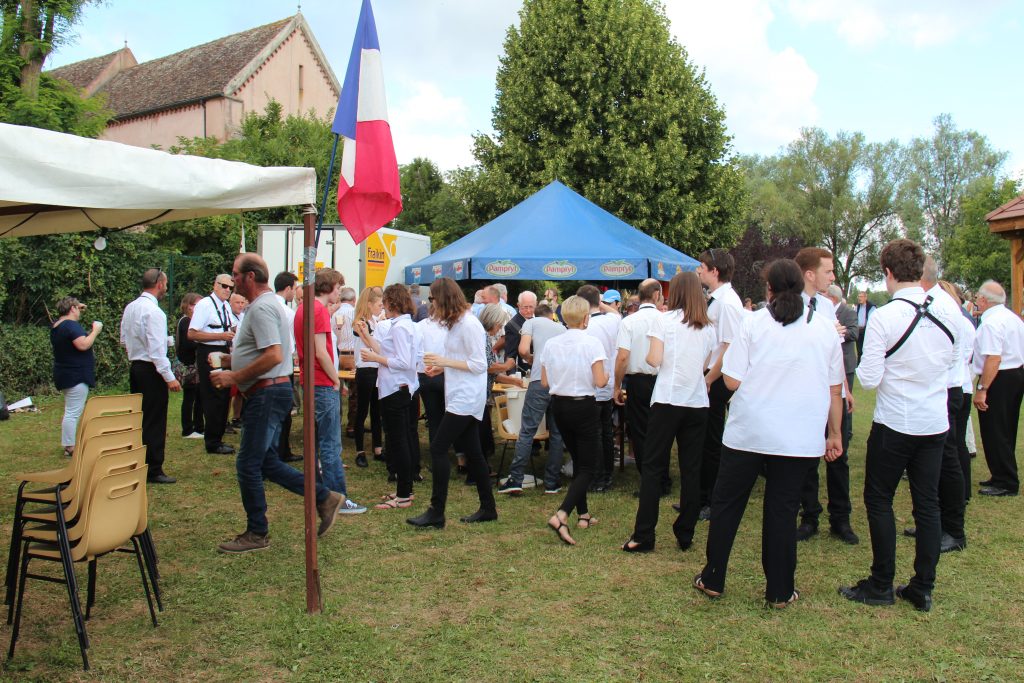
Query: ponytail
{"x": 785, "y": 287}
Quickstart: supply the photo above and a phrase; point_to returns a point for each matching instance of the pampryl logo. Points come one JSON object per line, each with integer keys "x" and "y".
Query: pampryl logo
{"x": 438, "y": 269}
{"x": 618, "y": 268}
{"x": 561, "y": 268}
{"x": 416, "y": 274}
{"x": 458, "y": 268}
{"x": 502, "y": 268}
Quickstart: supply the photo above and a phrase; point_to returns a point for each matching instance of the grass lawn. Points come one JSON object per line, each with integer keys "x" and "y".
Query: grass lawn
{"x": 503, "y": 601}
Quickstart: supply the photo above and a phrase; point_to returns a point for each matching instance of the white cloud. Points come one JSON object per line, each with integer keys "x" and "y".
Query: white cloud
{"x": 425, "y": 122}
{"x": 768, "y": 94}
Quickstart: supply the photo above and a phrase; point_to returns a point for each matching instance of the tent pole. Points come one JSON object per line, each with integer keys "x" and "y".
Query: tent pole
{"x": 314, "y": 601}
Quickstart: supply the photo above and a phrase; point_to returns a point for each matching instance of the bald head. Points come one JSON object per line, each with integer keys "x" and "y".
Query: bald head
{"x": 527, "y": 303}
{"x": 930, "y": 275}
{"x": 649, "y": 291}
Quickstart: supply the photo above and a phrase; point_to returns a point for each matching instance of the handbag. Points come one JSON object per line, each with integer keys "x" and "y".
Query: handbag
{"x": 187, "y": 375}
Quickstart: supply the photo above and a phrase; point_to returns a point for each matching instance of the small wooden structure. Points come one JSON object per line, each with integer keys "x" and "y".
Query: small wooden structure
{"x": 1008, "y": 222}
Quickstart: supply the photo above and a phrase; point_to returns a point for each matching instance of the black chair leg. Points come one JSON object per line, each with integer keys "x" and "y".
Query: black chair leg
{"x": 90, "y": 596}
{"x": 149, "y": 558}
{"x": 151, "y": 546}
{"x": 12, "y": 556}
{"x": 145, "y": 583}
{"x": 17, "y": 607}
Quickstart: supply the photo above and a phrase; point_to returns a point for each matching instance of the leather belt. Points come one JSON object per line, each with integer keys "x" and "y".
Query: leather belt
{"x": 264, "y": 383}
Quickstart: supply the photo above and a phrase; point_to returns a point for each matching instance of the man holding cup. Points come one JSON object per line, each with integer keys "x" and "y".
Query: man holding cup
{"x": 211, "y": 328}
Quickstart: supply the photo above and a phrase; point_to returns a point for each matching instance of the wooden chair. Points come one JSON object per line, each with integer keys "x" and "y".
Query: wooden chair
{"x": 509, "y": 438}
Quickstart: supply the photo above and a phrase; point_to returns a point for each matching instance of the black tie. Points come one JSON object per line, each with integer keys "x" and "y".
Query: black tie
{"x": 812, "y": 306}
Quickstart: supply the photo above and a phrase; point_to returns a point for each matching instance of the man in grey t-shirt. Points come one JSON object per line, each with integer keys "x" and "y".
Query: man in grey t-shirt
{"x": 260, "y": 365}
{"x": 535, "y": 333}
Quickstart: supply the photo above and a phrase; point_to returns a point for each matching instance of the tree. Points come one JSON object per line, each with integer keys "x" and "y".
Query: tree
{"x": 972, "y": 254}
{"x": 942, "y": 169}
{"x": 420, "y": 181}
{"x": 597, "y": 94}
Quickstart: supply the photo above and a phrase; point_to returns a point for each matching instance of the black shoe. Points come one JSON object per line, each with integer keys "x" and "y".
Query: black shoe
{"x": 230, "y": 430}
{"x": 236, "y": 423}
{"x": 361, "y": 460}
{"x": 704, "y": 515}
{"x": 866, "y": 593}
{"x": 350, "y": 433}
{"x": 806, "y": 530}
{"x": 291, "y": 457}
{"x": 161, "y": 479}
{"x": 950, "y": 543}
{"x": 379, "y": 457}
{"x": 845, "y": 534}
{"x": 510, "y": 487}
{"x": 221, "y": 449}
{"x": 666, "y": 488}
{"x": 392, "y": 476}
{"x": 428, "y": 518}
{"x": 987, "y": 482}
{"x": 480, "y": 516}
{"x": 639, "y": 547}
{"x": 417, "y": 477}
{"x": 921, "y": 601}
{"x": 684, "y": 544}
{"x": 995, "y": 491}
{"x": 461, "y": 469}
{"x": 910, "y": 532}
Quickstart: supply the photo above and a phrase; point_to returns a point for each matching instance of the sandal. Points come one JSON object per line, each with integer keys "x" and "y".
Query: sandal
{"x": 393, "y": 496}
{"x": 69, "y": 451}
{"x": 557, "y": 528}
{"x": 783, "y": 605}
{"x": 393, "y": 504}
{"x": 698, "y": 583}
{"x": 585, "y": 522}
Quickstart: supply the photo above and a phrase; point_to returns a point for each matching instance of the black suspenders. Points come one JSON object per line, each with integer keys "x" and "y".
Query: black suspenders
{"x": 922, "y": 312}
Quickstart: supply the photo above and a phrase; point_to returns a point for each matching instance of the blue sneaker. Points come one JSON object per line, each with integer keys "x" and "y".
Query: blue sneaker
{"x": 350, "y": 507}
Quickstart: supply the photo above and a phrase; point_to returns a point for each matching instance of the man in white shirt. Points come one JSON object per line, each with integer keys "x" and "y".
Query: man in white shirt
{"x": 908, "y": 349}
{"x": 144, "y": 336}
{"x": 346, "y": 355}
{"x": 818, "y": 268}
{"x": 604, "y": 326}
{"x": 284, "y": 289}
{"x": 999, "y": 362}
{"x": 503, "y": 298}
{"x": 726, "y": 313}
{"x": 632, "y": 369}
{"x": 211, "y": 328}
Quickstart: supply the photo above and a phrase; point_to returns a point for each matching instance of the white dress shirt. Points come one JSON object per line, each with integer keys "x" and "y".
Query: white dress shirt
{"x": 213, "y": 316}
{"x": 433, "y": 336}
{"x": 823, "y": 306}
{"x": 144, "y": 334}
{"x": 726, "y": 313}
{"x": 343, "y": 319}
{"x": 944, "y": 302}
{"x": 967, "y": 348}
{"x": 402, "y": 344}
{"x": 786, "y": 374}
{"x": 568, "y": 361}
{"x": 633, "y": 337}
{"x": 289, "y": 314}
{"x": 681, "y": 375}
{"x": 911, "y": 383}
{"x": 1001, "y": 334}
{"x": 465, "y": 391}
{"x": 604, "y": 327}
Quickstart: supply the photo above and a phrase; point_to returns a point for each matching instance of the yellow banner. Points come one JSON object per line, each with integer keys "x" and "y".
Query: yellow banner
{"x": 379, "y": 250}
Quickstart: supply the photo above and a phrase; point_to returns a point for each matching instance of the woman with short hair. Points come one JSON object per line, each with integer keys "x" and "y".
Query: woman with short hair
{"x": 368, "y": 309}
{"x": 74, "y": 365}
{"x": 786, "y": 367}
{"x": 572, "y": 369}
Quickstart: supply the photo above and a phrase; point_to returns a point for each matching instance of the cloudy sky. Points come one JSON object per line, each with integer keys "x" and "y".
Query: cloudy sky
{"x": 881, "y": 67}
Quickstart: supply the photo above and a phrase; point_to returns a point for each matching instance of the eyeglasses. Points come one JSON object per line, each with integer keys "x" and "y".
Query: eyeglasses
{"x": 230, "y": 288}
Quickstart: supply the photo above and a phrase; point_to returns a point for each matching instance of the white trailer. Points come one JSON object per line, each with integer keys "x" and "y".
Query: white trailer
{"x": 379, "y": 261}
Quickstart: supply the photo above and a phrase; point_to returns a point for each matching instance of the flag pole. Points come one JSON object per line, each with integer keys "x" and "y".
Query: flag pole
{"x": 314, "y": 600}
{"x": 327, "y": 193}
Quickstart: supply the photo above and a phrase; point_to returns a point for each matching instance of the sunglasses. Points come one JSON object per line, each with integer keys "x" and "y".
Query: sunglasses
{"x": 230, "y": 288}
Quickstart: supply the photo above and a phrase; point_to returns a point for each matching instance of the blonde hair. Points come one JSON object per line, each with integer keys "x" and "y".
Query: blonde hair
{"x": 368, "y": 296}
{"x": 575, "y": 310}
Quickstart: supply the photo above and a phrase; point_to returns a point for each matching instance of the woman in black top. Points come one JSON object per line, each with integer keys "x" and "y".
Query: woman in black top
{"x": 74, "y": 366}
{"x": 192, "y": 426}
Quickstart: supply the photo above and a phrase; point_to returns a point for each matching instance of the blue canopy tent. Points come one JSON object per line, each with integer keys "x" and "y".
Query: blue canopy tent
{"x": 556, "y": 234}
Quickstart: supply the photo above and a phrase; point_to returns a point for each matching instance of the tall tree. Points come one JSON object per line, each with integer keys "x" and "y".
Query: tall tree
{"x": 597, "y": 94}
{"x": 942, "y": 169}
{"x": 420, "y": 181}
{"x": 972, "y": 254}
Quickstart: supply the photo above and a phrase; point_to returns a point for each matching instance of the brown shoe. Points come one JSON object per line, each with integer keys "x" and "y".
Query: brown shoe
{"x": 244, "y": 543}
{"x": 328, "y": 510}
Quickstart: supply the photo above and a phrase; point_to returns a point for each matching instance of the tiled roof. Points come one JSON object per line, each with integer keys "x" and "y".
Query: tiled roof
{"x": 1011, "y": 209}
{"x": 186, "y": 76}
{"x": 80, "y": 74}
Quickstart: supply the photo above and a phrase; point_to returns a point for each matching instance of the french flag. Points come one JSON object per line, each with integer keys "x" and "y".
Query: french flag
{"x": 368, "y": 192}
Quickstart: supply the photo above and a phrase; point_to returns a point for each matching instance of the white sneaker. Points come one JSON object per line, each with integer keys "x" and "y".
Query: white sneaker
{"x": 194, "y": 435}
{"x": 350, "y": 507}
{"x": 567, "y": 469}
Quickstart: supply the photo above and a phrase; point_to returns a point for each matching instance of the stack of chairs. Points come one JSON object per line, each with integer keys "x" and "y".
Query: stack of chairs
{"x": 93, "y": 506}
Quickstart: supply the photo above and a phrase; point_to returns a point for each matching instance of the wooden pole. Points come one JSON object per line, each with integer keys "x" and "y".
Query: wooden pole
{"x": 314, "y": 600}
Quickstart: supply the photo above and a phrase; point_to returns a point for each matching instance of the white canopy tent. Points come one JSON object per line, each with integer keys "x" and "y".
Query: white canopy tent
{"x": 53, "y": 182}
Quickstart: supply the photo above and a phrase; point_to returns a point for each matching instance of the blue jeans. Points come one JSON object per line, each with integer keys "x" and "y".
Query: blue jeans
{"x": 536, "y": 404}
{"x": 328, "y": 439}
{"x": 262, "y": 416}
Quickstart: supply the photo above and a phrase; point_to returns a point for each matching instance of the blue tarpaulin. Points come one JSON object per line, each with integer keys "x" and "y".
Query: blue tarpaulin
{"x": 556, "y": 234}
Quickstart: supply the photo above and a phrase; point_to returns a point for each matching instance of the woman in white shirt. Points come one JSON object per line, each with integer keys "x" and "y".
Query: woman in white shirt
{"x": 572, "y": 369}
{"x": 397, "y": 352}
{"x": 368, "y": 308}
{"x": 681, "y": 343}
{"x": 465, "y": 392}
{"x": 786, "y": 367}
{"x": 432, "y": 387}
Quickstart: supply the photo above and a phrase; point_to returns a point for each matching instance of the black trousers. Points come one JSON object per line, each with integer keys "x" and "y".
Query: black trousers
{"x": 638, "y": 411}
{"x": 837, "y": 482}
{"x": 464, "y": 432}
{"x": 579, "y": 421}
{"x": 737, "y": 474}
{"x": 686, "y": 427}
{"x": 414, "y": 434}
{"x": 718, "y": 397}
{"x": 860, "y": 342}
{"x": 144, "y": 379}
{"x": 432, "y": 394}
{"x": 998, "y": 426}
{"x": 961, "y": 443}
{"x": 889, "y": 453}
{"x": 951, "y": 476}
{"x": 487, "y": 433}
{"x": 605, "y": 459}
{"x": 367, "y": 402}
{"x": 191, "y": 410}
{"x": 215, "y": 401}
{"x": 394, "y": 410}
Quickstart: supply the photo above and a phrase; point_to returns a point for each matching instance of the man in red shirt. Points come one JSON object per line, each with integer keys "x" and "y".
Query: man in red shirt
{"x": 327, "y": 399}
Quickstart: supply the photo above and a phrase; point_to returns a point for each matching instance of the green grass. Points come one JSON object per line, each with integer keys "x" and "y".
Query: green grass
{"x": 503, "y": 601}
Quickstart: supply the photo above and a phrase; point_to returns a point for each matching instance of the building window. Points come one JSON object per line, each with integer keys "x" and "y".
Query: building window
{"x": 300, "y": 79}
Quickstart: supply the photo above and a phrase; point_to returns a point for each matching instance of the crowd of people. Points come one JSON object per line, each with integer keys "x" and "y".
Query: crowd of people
{"x": 742, "y": 390}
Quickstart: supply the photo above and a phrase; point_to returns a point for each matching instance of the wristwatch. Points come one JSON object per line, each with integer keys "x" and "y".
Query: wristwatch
{"x": 982, "y": 387}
